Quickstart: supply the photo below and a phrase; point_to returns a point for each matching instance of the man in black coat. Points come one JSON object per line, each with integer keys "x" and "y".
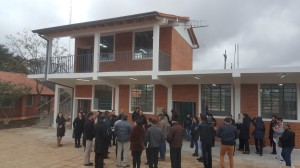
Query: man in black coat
{"x": 113, "y": 120}
{"x": 101, "y": 142}
{"x": 244, "y": 134}
{"x": 207, "y": 134}
{"x": 287, "y": 143}
{"x": 89, "y": 135}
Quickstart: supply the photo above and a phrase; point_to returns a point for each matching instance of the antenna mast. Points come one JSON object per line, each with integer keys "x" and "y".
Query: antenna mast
{"x": 225, "y": 58}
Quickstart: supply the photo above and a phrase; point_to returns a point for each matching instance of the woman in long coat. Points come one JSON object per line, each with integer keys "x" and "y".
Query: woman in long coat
{"x": 61, "y": 122}
{"x": 78, "y": 125}
{"x": 244, "y": 134}
{"x": 259, "y": 134}
{"x": 137, "y": 140}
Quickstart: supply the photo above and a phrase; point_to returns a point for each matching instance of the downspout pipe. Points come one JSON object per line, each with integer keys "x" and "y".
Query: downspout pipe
{"x": 47, "y": 56}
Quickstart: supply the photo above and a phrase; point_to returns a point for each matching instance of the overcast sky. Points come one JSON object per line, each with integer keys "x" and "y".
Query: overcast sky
{"x": 268, "y": 32}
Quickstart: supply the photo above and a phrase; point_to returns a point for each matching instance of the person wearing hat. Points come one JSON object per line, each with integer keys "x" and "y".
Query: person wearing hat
{"x": 174, "y": 138}
{"x": 122, "y": 131}
{"x": 287, "y": 143}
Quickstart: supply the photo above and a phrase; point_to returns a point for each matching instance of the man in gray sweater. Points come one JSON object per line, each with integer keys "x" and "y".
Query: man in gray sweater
{"x": 154, "y": 138}
{"x": 122, "y": 130}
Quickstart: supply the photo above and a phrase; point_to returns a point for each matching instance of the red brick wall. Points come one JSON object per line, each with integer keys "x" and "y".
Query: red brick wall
{"x": 165, "y": 40}
{"x": 84, "y": 91}
{"x": 186, "y": 93}
{"x": 124, "y": 100}
{"x": 83, "y": 42}
{"x": 123, "y": 42}
{"x": 182, "y": 53}
{"x": 161, "y": 97}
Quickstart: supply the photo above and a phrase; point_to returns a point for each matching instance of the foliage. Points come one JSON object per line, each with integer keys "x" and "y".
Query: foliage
{"x": 32, "y": 48}
{"x": 11, "y": 92}
{"x": 11, "y": 63}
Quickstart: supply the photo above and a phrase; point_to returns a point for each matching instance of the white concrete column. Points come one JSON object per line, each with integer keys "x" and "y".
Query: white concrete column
{"x": 170, "y": 100}
{"x": 155, "y": 59}
{"x": 96, "y": 55}
{"x": 116, "y": 105}
{"x": 237, "y": 101}
{"x": 56, "y": 104}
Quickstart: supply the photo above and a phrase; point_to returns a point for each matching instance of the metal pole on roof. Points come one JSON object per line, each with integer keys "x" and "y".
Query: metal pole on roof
{"x": 225, "y": 58}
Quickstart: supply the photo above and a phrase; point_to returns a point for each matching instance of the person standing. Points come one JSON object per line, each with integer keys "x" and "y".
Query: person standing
{"x": 187, "y": 126}
{"x": 61, "y": 122}
{"x": 137, "y": 140}
{"x": 228, "y": 133}
{"x": 122, "y": 130}
{"x": 78, "y": 125}
{"x": 101, "y": 142}
{"x": 154, "y": 139}
{"x": 278, "y": 131}
{"x": 287, "y": 143}
{"x": 271, "y": 132}
{"x": 143, "y": 118}
{"x": 89, "y": 135}
{"x": 135, "y": 115}
{"x": 259, "y": 134}
{"x": 113, "y": 120}
{"x": 164, "y": 126}
{"x": 166, "y": 115}
{"x": 244, "y": 134}
{"x": 195, "y": 135}
{"x": 174, "y": 138}
{"x": 207, "y": 134}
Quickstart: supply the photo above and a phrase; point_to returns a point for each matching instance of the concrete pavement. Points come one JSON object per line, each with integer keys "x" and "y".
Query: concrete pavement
{"x": 30, "y": 147}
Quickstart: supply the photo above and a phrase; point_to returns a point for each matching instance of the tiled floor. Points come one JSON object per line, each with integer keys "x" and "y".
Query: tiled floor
{"x": 36, "y": 148}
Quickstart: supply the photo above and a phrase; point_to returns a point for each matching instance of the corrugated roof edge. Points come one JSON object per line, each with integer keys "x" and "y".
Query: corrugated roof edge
{"x": 122, "y": 18}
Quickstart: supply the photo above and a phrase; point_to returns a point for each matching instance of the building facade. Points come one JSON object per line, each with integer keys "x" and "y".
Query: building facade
{"x": 146, "y": 60}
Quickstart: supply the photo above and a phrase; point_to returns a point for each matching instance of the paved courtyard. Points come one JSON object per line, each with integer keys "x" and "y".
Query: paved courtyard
{"x": 36, "y": 148}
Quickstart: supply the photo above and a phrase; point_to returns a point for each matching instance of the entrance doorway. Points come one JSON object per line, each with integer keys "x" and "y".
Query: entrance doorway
{"x": 183, "y": 108}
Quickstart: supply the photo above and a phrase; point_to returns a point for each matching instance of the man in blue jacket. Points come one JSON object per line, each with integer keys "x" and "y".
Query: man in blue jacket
{"x": 287, "y": 143}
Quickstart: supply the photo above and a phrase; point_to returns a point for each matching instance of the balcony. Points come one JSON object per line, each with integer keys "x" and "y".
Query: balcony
{"x": 108, "y": 62}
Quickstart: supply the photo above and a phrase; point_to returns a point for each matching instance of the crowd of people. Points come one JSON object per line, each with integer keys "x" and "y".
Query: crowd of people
{"x": 152, "y": 135}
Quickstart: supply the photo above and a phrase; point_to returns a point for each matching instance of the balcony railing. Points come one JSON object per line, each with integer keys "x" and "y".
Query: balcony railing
{"x": 108, "y": 62}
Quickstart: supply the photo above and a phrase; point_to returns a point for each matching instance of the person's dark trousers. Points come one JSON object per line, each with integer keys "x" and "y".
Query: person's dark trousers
{"x": 113, "y": 137}
{"x": 241, "y": 143}
{"x": 206, "y": 152}
{"x": 273, "y": 144}
{"x": 99, "y": 160}
{"x": 147, "y": 154}
{"x": 77, "y": 142}
{"x": 286, "y": 155}
{"x": 162, "y": 150}
{"x": 153, "y": 157}
{"x": 175, "y": 154}
{"x": 136, "y": 158}
{"x": 259, "y": 145}
{"x": 196, "y": 145}
{"x": 246, "y": 141}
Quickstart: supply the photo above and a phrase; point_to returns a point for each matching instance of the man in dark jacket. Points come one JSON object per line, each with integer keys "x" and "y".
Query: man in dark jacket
{"x": 259, "y": 134}
{"x": 101, "y": 142}
{"x": 228, "y": 133}
{"x": 89, "y": 135}
{"x": 287, "y": 143}
{"x": 78, "y": 125}
{"x": 113, "y": 120}
{"x": 244, "y": 134}
{"x": 271, "y": 132}
{"x": 207, "y": 134}
{"x": 135, "y": 115}
{"x": 174, "y": 138}
{"x": 154, "y": 138}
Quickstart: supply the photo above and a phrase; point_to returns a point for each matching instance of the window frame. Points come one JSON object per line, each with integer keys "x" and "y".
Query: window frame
{"x": 113, "y": 52}
{"x": 297, "y": 102}
{"x": 93, "y": 99}
{"x": 153, "y": 99}
{"x": 231, "y": 99}
{"x": 133, "y": 46}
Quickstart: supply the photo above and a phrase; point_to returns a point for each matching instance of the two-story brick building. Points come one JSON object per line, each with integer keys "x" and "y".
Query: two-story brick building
{"x": 146, "y": 60}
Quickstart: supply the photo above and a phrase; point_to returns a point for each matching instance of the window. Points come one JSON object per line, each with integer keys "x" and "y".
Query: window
{"x": 107, "y": 48}
{"x": 216, "y": 99}
{"x": 7, "y": 103}
{"x": 142, "y": 96}
{"x": 103, "y": 97}
{"x": 29, "y": 100}
{"x": 278, "y": 99}
{"x": 143, "y": 45}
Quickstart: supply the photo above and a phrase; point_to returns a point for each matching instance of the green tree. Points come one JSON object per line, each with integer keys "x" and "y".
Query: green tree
{"x": 11, "y": 63}
{"x": 9, "y": 94}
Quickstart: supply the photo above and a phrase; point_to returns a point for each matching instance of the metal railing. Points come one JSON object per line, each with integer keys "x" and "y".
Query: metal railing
{"x": 140, "y": 60}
